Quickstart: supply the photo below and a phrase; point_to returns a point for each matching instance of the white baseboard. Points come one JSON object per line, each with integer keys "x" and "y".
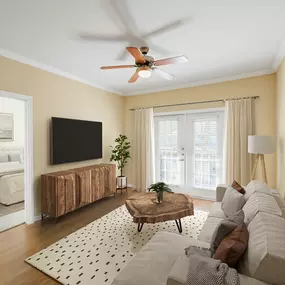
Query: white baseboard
{"x": 37, "y": 218}
{"x": 12, "y": 220}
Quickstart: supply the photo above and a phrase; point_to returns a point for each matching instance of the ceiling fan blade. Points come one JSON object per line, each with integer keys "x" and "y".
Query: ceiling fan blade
{"x": 134, "y": 77}
{"x": 163, "y": 74}
{"x": 116, "y": 66}
{"x": 96, "y": 37}
{"x": 171, "y": 60}
{"x": 167, "y": 28}
{"x": 136, "y": 53}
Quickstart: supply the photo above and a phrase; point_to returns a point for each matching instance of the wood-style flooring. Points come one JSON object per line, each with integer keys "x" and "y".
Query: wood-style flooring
{"x": 23, "y": 241}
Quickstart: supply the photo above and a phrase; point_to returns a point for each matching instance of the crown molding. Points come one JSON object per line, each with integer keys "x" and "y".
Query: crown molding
{"x": 278, "y": 59}
{"x": 204, "y": 82}
{"x": 279, "y": 56}
{"x": 34, "y": 63}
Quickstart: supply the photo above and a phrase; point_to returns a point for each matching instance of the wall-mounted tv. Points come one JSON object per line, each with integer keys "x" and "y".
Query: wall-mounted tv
{"x": 75, "y": 140}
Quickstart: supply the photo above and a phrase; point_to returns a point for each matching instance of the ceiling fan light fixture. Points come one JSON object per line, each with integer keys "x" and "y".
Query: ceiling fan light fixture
{"x": 144, "y": 72}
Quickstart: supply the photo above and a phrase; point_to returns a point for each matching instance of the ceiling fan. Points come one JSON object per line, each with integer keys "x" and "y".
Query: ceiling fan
{"x": 146, "y": 64}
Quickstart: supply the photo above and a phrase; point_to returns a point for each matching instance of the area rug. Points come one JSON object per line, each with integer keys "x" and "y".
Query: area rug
{"x": 96, "y": 253}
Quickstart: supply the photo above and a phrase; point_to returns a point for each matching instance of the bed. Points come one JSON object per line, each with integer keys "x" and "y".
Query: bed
{"x": 11, "y": 177}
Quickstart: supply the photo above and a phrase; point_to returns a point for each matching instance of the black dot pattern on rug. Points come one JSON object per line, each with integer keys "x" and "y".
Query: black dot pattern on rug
{"x": 102, "y": 249}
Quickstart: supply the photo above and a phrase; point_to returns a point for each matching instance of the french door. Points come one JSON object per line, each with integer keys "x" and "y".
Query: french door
{"x": 188, "y": 150}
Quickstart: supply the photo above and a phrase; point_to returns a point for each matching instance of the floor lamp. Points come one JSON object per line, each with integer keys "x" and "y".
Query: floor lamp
{"x": 260, "y": 145}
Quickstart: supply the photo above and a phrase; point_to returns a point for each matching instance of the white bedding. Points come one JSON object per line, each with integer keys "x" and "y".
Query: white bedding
{"x": 11, "y": 182}
{"x": 7, "y": 168}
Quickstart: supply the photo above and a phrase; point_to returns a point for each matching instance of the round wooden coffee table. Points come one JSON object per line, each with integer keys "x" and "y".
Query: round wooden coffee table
{"x": 144, "y": 208}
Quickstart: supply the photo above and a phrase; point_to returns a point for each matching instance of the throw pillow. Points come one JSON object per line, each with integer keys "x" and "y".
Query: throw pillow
{"x": 225, "y": 227}
{"x": 237, "y": 217}
{"x": 233, "y": 246}
{"x": 237, "y": 187}
{"x": 232, "y": 202}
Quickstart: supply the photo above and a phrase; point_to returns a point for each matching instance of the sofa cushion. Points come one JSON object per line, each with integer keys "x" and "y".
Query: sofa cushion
{"x": 256, "y": 186}
{"x": 260, "y": 202}
{"x": 280, "y": 202}
{"x": 264, "y": 258}
{"x": 154, "y": 261}
{"x": 217, "y": 211}
{"x": 208, "y": 229}
{"x": 233, "y": 246}
{"x": 233, "y": 201}
{"x": 222, "y": 230}
{"x": 179, "y": 274}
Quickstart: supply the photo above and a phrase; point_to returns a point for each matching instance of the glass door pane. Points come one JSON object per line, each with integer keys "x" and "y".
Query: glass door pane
{"x": 169, "y": 155}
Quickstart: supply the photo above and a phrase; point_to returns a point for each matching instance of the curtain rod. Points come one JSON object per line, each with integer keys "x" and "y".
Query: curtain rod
{"x": 192, "y": 103}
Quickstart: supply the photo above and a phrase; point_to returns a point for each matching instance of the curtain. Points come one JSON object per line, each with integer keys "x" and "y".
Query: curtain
{"x": 239, "y": 125}
{"x": 143, "y": 149}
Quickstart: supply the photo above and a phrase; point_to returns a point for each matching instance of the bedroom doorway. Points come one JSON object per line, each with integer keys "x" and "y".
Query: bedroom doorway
{"x": 16, "y": 163}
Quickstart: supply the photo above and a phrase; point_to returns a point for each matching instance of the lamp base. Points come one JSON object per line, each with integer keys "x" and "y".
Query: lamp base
{"x": 263, "y": 168}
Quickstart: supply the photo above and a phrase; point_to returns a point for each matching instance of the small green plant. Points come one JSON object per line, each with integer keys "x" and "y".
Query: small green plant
{"x": 121, "y": 152}
{"x": 159, "y": 188}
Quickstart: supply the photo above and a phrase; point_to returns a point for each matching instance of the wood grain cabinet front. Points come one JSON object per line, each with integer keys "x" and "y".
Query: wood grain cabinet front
{"x": 66, "y": 191}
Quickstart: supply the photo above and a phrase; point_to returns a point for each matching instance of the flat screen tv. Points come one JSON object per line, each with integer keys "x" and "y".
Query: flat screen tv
{"x": 75, "y": 140}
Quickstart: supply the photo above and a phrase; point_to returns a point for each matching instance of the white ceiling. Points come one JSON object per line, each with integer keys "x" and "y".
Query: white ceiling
{"x": 223, "y": 39}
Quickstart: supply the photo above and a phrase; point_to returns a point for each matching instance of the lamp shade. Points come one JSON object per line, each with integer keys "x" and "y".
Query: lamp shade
{"x": 261, "y": 144}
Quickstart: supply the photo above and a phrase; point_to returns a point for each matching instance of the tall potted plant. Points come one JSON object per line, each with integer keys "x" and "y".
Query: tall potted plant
{"x": 121, "y": 154}
{"x": 159, "y": 188}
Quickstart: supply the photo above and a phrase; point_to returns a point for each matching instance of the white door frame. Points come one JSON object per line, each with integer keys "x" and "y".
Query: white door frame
{"x": 28, "y": 154}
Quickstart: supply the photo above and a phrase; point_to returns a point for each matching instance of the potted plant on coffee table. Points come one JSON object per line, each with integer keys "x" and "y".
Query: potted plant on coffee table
{"x": 159, "y": 188}
{"x": 121, "y": 154}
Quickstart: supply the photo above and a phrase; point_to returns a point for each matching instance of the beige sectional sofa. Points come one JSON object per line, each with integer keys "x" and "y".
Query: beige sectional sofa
{"x": 162, "y": 261}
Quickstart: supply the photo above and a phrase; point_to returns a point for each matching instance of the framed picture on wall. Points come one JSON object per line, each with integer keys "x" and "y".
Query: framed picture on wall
{"x": 6, "y": 127}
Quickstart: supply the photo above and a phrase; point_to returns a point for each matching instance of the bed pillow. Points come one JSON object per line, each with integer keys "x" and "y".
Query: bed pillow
{"x": 232, "y": 202}
{"x": 6, "y": 166}
{"x": 16, "y": 156}
{"x": 4, "y": 157}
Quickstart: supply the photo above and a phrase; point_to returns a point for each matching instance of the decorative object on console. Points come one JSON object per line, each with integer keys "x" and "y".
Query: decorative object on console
{"x": 261, "y": 145}
{"x": 121, "y": 154}
{"x": 66, "y": 191}
{"x": 159, "y": 188}
{"x": 6, "y": 127}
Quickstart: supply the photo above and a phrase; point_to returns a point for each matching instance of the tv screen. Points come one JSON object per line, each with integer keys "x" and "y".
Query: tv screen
{"x": 75, "y": 140}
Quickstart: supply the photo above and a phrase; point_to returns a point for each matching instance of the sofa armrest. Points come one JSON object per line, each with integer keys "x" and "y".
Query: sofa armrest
{"x": 179, "y": 272}
{"x": 220, "y": 192}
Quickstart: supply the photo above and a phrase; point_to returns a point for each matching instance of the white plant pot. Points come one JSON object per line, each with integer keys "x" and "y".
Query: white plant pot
{"x": 121, "y": 181}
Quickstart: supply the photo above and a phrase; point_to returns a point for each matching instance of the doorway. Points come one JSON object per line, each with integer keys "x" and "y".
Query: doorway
{"x": 16, "y": 160}
{"x": 189, "y": 151}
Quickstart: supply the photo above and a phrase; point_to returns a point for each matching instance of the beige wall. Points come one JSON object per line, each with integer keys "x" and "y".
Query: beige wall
{"x": 265, "y": 107}
{"x": 57, "y": 96}
{"x": 280, "y": 91}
